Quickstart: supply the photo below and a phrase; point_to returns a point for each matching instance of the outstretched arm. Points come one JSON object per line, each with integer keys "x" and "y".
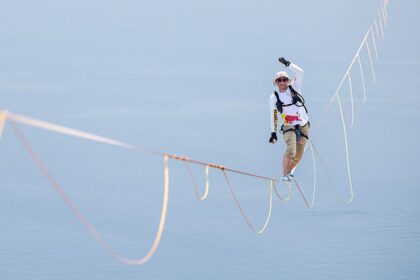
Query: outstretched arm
{"x": 298, "y": 80}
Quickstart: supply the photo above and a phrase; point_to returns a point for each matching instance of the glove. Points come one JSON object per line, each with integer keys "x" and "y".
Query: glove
{"x": 282, "y": 60}
{"x": 273, "y": 138}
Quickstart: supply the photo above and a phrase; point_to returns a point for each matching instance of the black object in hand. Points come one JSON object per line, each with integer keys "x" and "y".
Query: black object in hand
{"x": 284, "y": 61}
{"x": 273, "y": 138}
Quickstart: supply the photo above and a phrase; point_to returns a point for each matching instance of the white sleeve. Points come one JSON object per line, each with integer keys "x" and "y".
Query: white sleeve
{"x": 298, "y": 80}
{"x": 273, "y": 113}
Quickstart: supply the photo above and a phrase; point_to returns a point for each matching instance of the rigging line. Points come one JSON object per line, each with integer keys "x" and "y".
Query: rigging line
{"x": 364, "y": 41}
{"x": 206, "y": 191}
{"x": 322, "y": 117}
{"x": 224, "y": 168}
{"x": 347, "y": 71}
{"x": 351, "y": 100}
{"x": 374, "y": 42}
{"x": 385, "y": 2}
{"x": 362, "y": 76}
{"x": 329, "y": 175}
{"x": 82, "y": 219}
{"x": 67, "y": 131}
{"x": 336, "y": 94}
{"x": 380, "y": 23}
{"x": 377, "y": 30}
{"x": 251, "y": 226}
{"x": 347, "y": 160}
{"x": 105, "y": 140}
{"x": 303, "y": 196}
{"x": 346, "y": 147}
{"x": 289, "y": 192}
{"x": 314, "y": 185}
{"x": 382, "y": 9}
{"x": 314, "y": 172}
{"x": 371, "y": 61}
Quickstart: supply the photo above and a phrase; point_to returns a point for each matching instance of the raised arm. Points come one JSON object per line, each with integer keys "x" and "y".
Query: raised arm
{"x": 298, "y": 79}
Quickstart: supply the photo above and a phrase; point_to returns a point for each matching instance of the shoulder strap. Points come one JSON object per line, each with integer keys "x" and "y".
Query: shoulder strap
{"x": 297, "y": 98}
{"x": 277, "y": 96}
{"x": 279, "y": 104}
{"x": 292, "y": 90}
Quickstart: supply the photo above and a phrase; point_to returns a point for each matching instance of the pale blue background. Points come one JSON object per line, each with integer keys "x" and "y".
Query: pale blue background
{"x": 193, "y": 78}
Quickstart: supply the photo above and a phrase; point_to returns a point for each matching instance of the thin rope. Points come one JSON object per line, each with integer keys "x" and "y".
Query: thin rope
{"x": 303, "y": 196}
{"x": 371, "y": 61}
{"x": 380, "y": 23}
{"x": 82, "y": 219}
{"x": 314, "y": 176}
{"x": 206, "y": 190}
{"x": 329, "y": 176}
{"x": 374, "y": 42}
{"x": 289, "y": 192}
{"x": 383, "y": 14}
{"x": 363, "y": 44}
{"x": 311, "y": 205}
{"x": 346, "y": 148}
{"x": 351, "y": 100}
{"x": 105, "y": 140}
{"x": 362, "y": 76}
{"x": 336, "y": 95}
{"x": 377, "y": 29}
{"x": 385, "y": 3}
{"x": 251, "y": 226}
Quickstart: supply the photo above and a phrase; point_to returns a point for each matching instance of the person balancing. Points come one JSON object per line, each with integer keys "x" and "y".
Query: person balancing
{"x": 290, "y": 106}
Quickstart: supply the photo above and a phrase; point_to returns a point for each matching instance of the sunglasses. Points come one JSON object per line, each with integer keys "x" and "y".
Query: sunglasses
{"x": 282, "y": 80}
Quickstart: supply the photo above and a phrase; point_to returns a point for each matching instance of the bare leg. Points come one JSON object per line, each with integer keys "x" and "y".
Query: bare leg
{"x": 286, "y": 165}
{"x": 290, "y": 140}
{"x": 292, "y": 165}
{"x": 300, "y": 148}
{"x": 294, "y": 150}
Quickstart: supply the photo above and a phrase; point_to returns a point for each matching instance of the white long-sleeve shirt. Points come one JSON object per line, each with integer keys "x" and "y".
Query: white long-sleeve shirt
{"x": 292, "y": 115}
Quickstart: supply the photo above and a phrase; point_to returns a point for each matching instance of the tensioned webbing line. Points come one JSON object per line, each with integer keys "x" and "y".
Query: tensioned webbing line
{"x": 105, "y": 140}
{"x": 82, "y": 219}
{"x": 382, "y": 18}
{"x": 15, "y": 119}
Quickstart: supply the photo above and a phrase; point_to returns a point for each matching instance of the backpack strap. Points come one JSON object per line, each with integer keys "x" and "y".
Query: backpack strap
{"x": 279, "y": 104}
{"x": 296, "y": 97}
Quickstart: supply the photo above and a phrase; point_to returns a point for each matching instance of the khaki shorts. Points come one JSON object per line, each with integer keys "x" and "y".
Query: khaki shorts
{"x": 294, "y": 149}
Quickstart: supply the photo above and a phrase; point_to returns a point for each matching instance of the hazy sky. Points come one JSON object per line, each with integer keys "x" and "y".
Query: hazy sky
{"x": 194, "y": 77}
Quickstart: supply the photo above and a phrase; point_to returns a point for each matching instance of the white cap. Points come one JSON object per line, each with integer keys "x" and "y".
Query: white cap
{"x": 279, "y": 75}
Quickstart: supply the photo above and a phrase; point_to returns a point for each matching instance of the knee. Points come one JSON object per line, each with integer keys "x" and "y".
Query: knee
{"x": 290, "y": 151}
{"x": 296, "y": 159}
{"x": 299, "y": 153}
